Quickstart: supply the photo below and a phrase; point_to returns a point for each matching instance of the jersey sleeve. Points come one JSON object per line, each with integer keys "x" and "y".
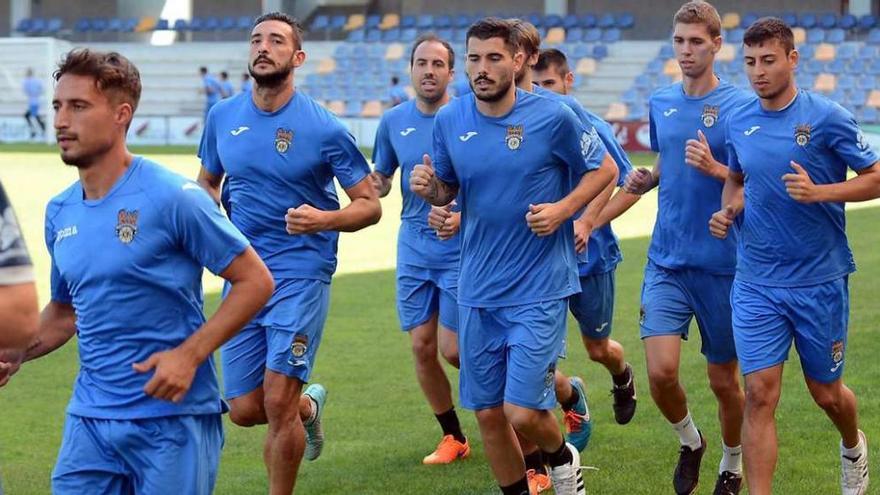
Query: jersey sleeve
{"x": 847, "y": 140}
{"x": 15, "y": 262}
{"x": 384, "y": 157}
{"x": 202, "y": 231}
{"x": 443, "y": 168}
{"x": 576, "y": 143}
{"x": 655, "y": 143}
{"x": 58, "y": 286}
{"x": 208, "y": 146}
{"x": 341, "y": 152}
{"x": 732, "y": 160}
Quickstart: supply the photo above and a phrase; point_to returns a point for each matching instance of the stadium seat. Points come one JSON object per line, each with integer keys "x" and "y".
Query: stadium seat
{"x": 390, "y": 21}
{"x": 574, "y": 35}
{"x": 790, "y": 18}
{"x": 337, "y": 107}
{"x": 847, "y": 51}
{"x": 807, "y": 52}
{"x": 409, "y": 35}
{"x": 600, "y": 52}
{"x": 815, "y": 36}
{"x": 211, "y": 25}
{"x": 828, "y": 20}
{"x": 99, "y": 24}
{"x": 848, "y": 21}
{"x": 870, "y": 115}
{"x": 867, "y": 22}
{"x": 866, "y": 82}
{"x": 394, "y": 51}
{"x": 874, "y": 68}
{"x": 813, "y": 67}
{"x": 534, "y": 18}
{"x": 337, "y": 22}
{"x": 846, "y": 83}
{"x": 592, "y": 35}
{"x": 54, "y": 25}
{"x": 748, "y": 19}
{"x": 326, "y": 66}
{"x": 643, "y": 82}
{"x": 391, "y": 35}
{"x": 638, "y": 112}
{"x": 808, "y": 20}
{"x": 588, "y": 21}
{"x": 408, "y": 21}
{"x": 800, "y": 35}
{"x": 553, "y": 21}
{"x": 824, "y": 52}
{"x": 196, "y": 24}
{"x": 825, "y": 83}
{"x": 555, "y": 36}
{"x": 356, "y": 36}
{"x": 730, "y": 20}
{"x": 228, "y": 23}
{"x": 625, "y": 20}
{"x": 372, "y": 21}
{"x": 838, "y": 66}
{"x": 181, "y": 25}
{"x": 570, "y": 21}
{"x": 82, "y": 25}
{"x": 372, "y": 108}
{"x": 874, "y": 37}
{"x": 245, "y": 23}
{"x": 655, "y": 66}
{"x": 666, "y": 51}
{"x": 462, "y": 21}
{"x": 805, "y": 80}
{"x": 727, "y": 53}
{"x": 586, "y": 67}
{"x": 425, "y": 21}
{"x": 580, "y": 51}
{"x": 873, "y": 99}
{"x": 320, "y": 23}
{"x": 355, "y": 21}
{"x": 630, "y": 96}
{"x": 735, "y": 36}
{"x": 617, "y": 111}
{"x": 24, "y": 25}
{"x": 835, "y": 36}
{"x": 612, "y": 35}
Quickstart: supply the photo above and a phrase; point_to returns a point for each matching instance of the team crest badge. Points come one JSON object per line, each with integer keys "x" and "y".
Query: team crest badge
{"x": 298, "y": 350}
{"x": 802, "y": 135}
{"x": 514, "y": 137}
{"x": 710, "y": 115}
{"x": 587, "y": 139}
{"x": 837, "y": 352}
{"x": 283, "y": 138}
{"x": 550, "y": 377}
{"x": 861, "y": 141}
{"x": 642, "y": 314}
{"x": 126, "y": 225}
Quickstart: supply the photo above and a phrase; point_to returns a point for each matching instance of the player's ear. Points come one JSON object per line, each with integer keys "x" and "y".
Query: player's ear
{"x": 569, "y": 79}
{"x": 794, "y": 57}
{"x": 717, "y": 42}
{"x": 124, "y": 114}
{"x": 299, "y": 58}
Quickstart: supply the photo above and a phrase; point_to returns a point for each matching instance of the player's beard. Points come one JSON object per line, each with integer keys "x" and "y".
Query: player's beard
{"x": 773, "y": 94}
{"x": 504, "y": 85}
{"x": 430, "y": 99}
{"x": 86, "y": 158}
{"x": 272, "y": 79}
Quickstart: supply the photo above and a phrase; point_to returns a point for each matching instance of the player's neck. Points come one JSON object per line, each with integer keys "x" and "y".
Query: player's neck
{"x": 430, "y": 108}
{"x": 99, "y": 177}
{"x": 499, "y": 107}
{"x": 701, "y": 85}
{"x": 271, "y": 98}
{"x": 780, "y": 101}
{"x": 525, "y": 83}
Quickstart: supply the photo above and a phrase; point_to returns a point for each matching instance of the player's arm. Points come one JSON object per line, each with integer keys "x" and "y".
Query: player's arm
{"x": 642, "y": 180}
{"x": 381, "y": 183}
{"x": 698, "y": 154}
{"x": 732, "y": 203}
{"x": 864, "y": 186}
{"x": 426, "y": 184}
{"x": 20, "y": 317}
{"x": 57, "y": 326}
{"x": 617, "y": 206}
{"x": 251, "y": 286}
{"x": 585, "y": 224}
{"x": 363, "y": 210}
{"x": 210, "y": 182}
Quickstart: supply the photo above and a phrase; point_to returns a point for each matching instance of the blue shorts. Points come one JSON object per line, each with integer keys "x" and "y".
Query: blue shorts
{"x": 671, "y": 298}
{"x": 509, "y": 354}
{"x": 33, "y": 110}
{"x": 284, "y": 337}
{"x": 767, "y": 319}
{"x": 155, "y": 456}
{"x": 593, "y": 307}
{"x": 423, "y": 292}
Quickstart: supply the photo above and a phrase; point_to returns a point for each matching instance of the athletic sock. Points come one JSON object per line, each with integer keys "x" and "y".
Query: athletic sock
{"x": 313, "y": 413}
{"x": 449, "y": 423}
{"x": 561, "y": 457}
{"x": 623, "y": 378}
{"x": 569, "y": 404}
{"x": 731, "y": 459}
{"x": 521, "y": 487}
{"x": 687, "y": 432}
{"x": 535, "y": 461}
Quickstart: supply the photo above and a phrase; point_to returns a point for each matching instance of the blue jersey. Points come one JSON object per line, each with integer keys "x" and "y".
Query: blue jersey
{"x": 211, "y": 86}
{"x": 33, "y": 89}
{"x": 687, "y": 198}
{"x": 247, "y": 85}
{"x": 279, "y": 160}
{"x": 785, "y": 243}
{"x": 226, "y": 89}
{"x": 131, "y": 263}
{"x": 603, "y": 253}
{"x": 501, "y": 165}
{"x": 404, "y": 135}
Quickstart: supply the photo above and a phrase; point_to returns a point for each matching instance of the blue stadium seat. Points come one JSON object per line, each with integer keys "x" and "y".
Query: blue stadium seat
{"x": 161, "y": 25}
{"x": 847, "y": 21}
{"x": 837, "y": 95}
{"x": 536, "y": 19}
{"x": 574, "y": 35}
{"x": 228, "y": 23}
{"x": 637, "y": 112}
{"x": 870, "y": 115}
{"x": 626, "y": 21}
{"x": 790, "y": 18}
{"x": 815, "y": 36}
{"x": 337, "y": 22}
{"x": 581, "y": 50}
{"x": 828, "y": 20}
{"x": 629, "y": 96}
{"x": 460, "y": 36}
{"x": 211, "y": 25}
{"x": 642, "y": 81}
{"x": 874, "y": 37}
{"x": 462, "y": 21}
{"x": 376, "y": 51}
{"x": 611, "y": 35}
{"x": 847, "y": 51}
{"x": 835, "y": 36}
{"x": 391, "y": 36}
{"x": 858, "y": 98}
{"x": 874, "y": 68}
{"x": 807, "y": 51}
{"x": 553, "y": 20}
{"x": 408, "y": 21}
{"x": 181, "y": 25}
{"x": 82, "y": 25}
{"x": 844, "y": 82}
{"x": 867, "y": 22}
{"x": 866, "y": 82}
{"x": 666, "y": 51}
{"x": 442, "y": 22}
{"x": 808, "y": 20}
{"x": 409, "y": 35}
{"x": 805, "y": 80}
{"x": 24, "y": 25}
{"x": 600, "y": 52}
{"x": 735, "y": 36}
{"x": 197, "y": 24}
{"x": 592, "y": 35}
{"x": 858, "y": 66}
{"x": 589, "y": 21}
{"x": 38, "y": 25}
{"x": 356, "y": 35}
{"x": 54, "y": 25}
{"x": 868, "y": 52}
{"x": 838, "y": 66}
{"x": 320, "y": 23}
{"x": 425, "y": 21}
{"x": 571, "y": 21}
{"x": 748, "y": 19}
{"x": 99, "y": 24}
{"x": 813, "y": 67}
{"x": 606, "y": 21}
{"x": 245, "y": 23}
{"x": 373, "y": 21}
{"x": 114, "y": 25}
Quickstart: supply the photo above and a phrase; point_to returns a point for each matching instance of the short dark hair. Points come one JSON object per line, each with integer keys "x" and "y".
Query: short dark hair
{"x": 428, "y": 38}
{"x": 224, "y": 74}
{"x": 526, "y": 36}
{"x": 769, "y": 28}
{"x": 203, "y": 70}
{"x": 291, "y": 21}
{"x": 493, "y": 27}
{"x": 115, "y": 76}
{"x": 552, "y": 57}
{"x": 395, "y": 79}
{"x": 699, "y": 12}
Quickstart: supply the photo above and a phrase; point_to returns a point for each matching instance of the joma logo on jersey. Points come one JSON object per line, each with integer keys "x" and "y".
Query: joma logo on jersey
{"x": 514, "y": 137}
{"x": 283, "y": 138}
{"x": 126, "y": 225}
{"x": 710, "y": 115}
{"x": 802, "y": 135}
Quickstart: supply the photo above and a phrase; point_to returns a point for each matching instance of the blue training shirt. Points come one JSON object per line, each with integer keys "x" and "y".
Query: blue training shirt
{"x": 688, "y": 198}
{"x": 212, "y": 89}
{"x": 33, "y": 89}
{"x": 404, "y": 135}
{"x": 131, "y": 263}
{"x": 501, "y": 165}
{"x": 279, "y": 160}
{"x": 785, "y": 243}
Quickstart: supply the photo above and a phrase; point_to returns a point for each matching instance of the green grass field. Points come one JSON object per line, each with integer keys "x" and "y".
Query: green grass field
{"x": 378, "y": 425}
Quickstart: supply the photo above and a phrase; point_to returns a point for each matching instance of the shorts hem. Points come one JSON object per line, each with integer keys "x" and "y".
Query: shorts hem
{"x": 762, "y": 367}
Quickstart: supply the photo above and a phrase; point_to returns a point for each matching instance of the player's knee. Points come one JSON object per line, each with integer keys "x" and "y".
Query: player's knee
{"x": 725, "y": 386}
{"x": 424, "y": 350}
{"x": 490, "y": 419}
{"x": 246, "y": 414}
{"x": 828, "y": 398}
{"x": 519, "y": 417}
{"x": 662, "y": 377}
{"x": 598, "y": 350}
{"x": 761, "y": 395}
{"x": 280, "y": 409}
{"x": 450, "y": 354}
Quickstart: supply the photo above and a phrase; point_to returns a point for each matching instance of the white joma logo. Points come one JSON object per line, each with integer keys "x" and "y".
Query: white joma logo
{"x": 751, "y": 130}
{"x": 599, "y": 330}
{"x": 670, "y": 112}
{"x": 407, "y": 131}
{"x": 836, "y": 365}
{"x": 240, "y": 129}
{"x": 467, "y": 136}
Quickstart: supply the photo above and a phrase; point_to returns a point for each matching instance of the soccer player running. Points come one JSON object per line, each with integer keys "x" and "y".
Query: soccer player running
{"x": 19, "y": 315}
{"x": 511, "y": 155}
{"x": 145, "y": 412}
{"x": 427, "y": 260}
{"x": 33, "y": 89}
{"x": 211, "y": 89}
{"x": 689, "y": 273}
{"x": 789, "y": 153}
{"x": 280, "y": 151}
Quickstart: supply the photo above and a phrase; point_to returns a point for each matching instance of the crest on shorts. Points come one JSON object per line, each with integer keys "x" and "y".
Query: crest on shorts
{"x": 283, "y": 138}
{"x": 710, "y": 115}
{"x": 642, "y": 314}
{"x": 802, "y": 135}
{"x": 126, "y": 225}
{"x": 298, "y": 350}
{"x": 837, "y": 352}
{"x": 550, "y": 377}
{"x": 514, "y": 137}
{"x": 862, "y": 141}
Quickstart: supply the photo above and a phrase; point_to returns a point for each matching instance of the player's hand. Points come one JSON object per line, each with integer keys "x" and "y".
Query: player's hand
{"x": 582, "y": 232}
{"x": 800, "y": 186}
{"x": 543, "y": 219}
{"x": 721, "y": 221}
{"x": 10, "y": 362}
{"x": 698, "y": 154}
{"x": 421, "y": 179}
{"x": 639, "y": 181}
{"x": 174, "y": 374}
{"x": 444, "y": 221}
{"x": 378, "y": 181}
{"x": 305, "y": 219}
